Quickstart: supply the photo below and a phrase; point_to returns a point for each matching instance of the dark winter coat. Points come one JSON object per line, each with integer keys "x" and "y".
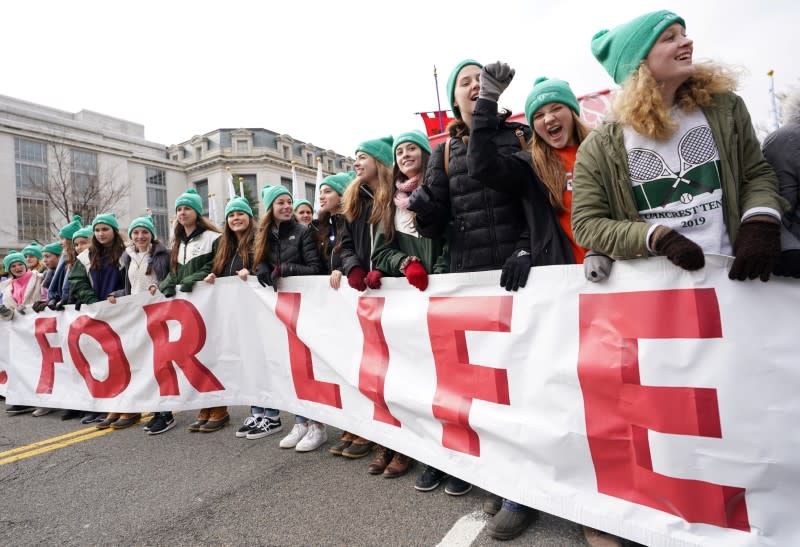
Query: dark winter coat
{"x": 514, "y": 174}
{"x": 332, "y": 257}
{"x": 292, "y": 246}
{"x": 486, "y": 224}
{"x": 782, "y": 151}
{"x": 84, "y": 286}
{"x": 359, "y": 236}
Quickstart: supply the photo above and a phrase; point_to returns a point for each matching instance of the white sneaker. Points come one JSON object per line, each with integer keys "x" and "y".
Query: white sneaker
{"x": 298, "y": 432}
{"x": 316, "y": 437}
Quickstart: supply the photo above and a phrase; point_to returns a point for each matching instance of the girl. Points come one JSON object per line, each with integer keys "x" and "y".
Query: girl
{"x": 284, "y": 247}
{"x": 364, "y": 204}
{"x": 145, "y": 263}
{"x": 330, "y": 227}
{"x": 484, "y": 228}
{"x": 634, "y": 195}
{"x": 55, "y": 293}
{"x": 234, "y": 256}
{"x": 20, "y": 292}
{"x": 191, "y": 261}
{"x": 33, "y": 256}
{"x": 303, "y": 212}
{"x": 96, "y": 275}
{"x": 51, "y": 254}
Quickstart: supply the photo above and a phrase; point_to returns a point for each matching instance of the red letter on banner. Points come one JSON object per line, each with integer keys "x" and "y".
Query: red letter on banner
{"x": 305, "y": 385}
{"x": 457, "y": 381}
{"x": 50, "y": 355}
{"x": 620, "y": 411}
{"x": 119, "y": 371}
{"x": 374, "y": 358}
{"x": 182, "y": 351}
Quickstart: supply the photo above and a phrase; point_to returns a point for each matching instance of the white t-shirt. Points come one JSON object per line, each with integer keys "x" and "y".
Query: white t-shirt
{"x": 676, "y": 182}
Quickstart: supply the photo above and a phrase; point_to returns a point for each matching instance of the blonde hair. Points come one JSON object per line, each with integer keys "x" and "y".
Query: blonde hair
{"x": 548, "y": 165}
{"x": 351, "y": 201}
{"x": 640, "y": 104}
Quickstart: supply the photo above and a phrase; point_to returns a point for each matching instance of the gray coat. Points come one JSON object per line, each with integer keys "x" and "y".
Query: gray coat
{"x": 782, "y": 150}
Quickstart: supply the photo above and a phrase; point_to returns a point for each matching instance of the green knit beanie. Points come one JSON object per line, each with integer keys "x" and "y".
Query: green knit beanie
{"x": 416, "y": 136}
{"x": 238, "y": 203}
{"x": 549, "y": 91}
{"x": 270, "y": 193}
{"x": 300, "y": 202}
{"x": 192, "y": 199}
{"x": 109, "y": 219}
{"x": 34, "y": 249}
{"x": 68, "y": 230}
{"x": 11, "y": 257}
{"x": 86, "y": 231}
{"x": 339, "y": 181}
{"x": 621, "y": 49}
{"x": 451, "y": 83}
{"x": 145, "y": 222}
{"x": 53, "y": 248}
{"x": 380, "y": 149}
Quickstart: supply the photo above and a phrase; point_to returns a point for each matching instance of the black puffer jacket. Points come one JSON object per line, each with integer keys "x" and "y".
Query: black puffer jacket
{"x": 292, "y": 246}
{"x": 331, "y": 256}
{"x": 514, "y": 174}
{"x": 358, "y": 236}
{"x": 487, "y": 225}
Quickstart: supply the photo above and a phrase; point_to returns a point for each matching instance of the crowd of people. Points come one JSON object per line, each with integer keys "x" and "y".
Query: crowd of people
{"x": 676, "y": 170}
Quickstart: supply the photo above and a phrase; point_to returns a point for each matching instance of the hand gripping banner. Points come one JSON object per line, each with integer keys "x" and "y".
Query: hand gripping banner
{"x": 660, "y": 405}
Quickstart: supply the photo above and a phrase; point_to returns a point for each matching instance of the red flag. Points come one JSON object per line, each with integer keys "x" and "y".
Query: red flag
{"x": 435, "y": 122}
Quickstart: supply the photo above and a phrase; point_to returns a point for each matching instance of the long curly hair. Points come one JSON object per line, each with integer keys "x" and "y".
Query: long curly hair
{"x": 548, "y": 165}
{"x": 641, "y": 106}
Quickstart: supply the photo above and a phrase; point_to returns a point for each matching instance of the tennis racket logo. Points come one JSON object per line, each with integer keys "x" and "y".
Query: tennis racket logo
{"x": 656, "y": 185}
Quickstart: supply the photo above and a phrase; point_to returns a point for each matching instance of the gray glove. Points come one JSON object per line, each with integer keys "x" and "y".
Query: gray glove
{"x": 495, "y": 78}
{"x": 5, "y": 312}
{"x": 596, "y": 266}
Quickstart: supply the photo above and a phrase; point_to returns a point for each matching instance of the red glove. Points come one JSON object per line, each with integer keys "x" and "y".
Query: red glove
{"x": 417, "y": 276}
{"x": 374, "y": 279}
{"x": 356, "y": 278}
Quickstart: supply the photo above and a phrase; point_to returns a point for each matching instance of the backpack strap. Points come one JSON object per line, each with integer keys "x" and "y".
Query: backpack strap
{"x": 447, "y": 156}
{"x": 521, "y": 137}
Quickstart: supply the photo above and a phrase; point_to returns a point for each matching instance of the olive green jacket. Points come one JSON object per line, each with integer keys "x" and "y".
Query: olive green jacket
{"x": 605, "y": 217}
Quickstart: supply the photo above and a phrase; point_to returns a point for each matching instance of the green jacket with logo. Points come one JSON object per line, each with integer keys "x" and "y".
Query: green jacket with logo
{"x": 195, "y": 259}
{"x": 605, "y": 217}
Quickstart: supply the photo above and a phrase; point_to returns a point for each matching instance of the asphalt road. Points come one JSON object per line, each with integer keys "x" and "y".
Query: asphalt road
{"x": 181, "y": 488}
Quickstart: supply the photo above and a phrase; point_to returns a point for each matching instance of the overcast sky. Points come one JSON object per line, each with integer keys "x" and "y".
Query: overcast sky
{"x": 335, "y": 73}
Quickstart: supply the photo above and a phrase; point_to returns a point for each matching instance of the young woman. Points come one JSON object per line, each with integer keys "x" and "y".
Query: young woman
{"x": 51, "y": 254}
{"x": 145, "y": 263}
{"x": 33, "y": 256}
{"x": 678, "y": 172}
{"x": 191, "y": 260}
{"x": 19, "y": 292}
{"x": 330, "y": 227}
{"x": 284, "y": 248}
{"x": 364, "y": 205}
{"x": 303, "y": 212}
{"x": 55, "y": 292}
{"x": 96, "y": 275}
{"x": 483, "y": 227}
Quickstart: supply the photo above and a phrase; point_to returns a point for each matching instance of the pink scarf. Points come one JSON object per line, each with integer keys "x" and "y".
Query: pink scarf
{"x": 18, "y": 287}
{"x": 404, "y": 189}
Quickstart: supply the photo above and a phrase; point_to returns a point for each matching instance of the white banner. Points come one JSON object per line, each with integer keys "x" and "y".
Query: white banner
{"x": 660, "y": 406}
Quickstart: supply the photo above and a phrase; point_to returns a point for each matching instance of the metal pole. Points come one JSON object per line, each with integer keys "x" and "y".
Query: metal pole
{"x": 773, "y": 107}
{"x": 438, "y": 103}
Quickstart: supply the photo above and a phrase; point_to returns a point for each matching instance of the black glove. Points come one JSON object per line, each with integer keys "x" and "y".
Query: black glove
{"x": 515, "y": 270}
{"x": 495, "y": 78}
{"x": 5, "y": 312}
{"x": 264, "y": 275}
{"x": 78, "y": 305}
{"x": 187, "y": 287}
{"x": 757, "y": 249}
{"x": 40, "y": 306}
{"x": 596, "y": 266}
{"x": 61, "y": 304}
{"x": 53, "y": 304}
{"x": 680, "y": 250}
{"x": 789, "y": 264}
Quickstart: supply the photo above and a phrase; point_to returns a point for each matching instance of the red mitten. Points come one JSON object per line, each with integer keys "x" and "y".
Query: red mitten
{"x": 417, "y": 276}
{"x": 374, "y": 279}
{"x": 356, "y": 278}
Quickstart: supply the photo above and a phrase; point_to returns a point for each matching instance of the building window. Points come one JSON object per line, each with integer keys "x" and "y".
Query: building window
{"x": 202, "y": 188}
{"x": 157, "y": 201}
{"x": 287, "y": 152}
{"x": 84, "y": 172}
{"x": 310, "y": 188}
{"x": 310, "y": 160}
{"x": 287, "y": 183}
{"x": 241, "y": 146}
{"x": 198, "y": 152}
{"x": 330, "y": 165}
{"x": 33, "y": 219}
{"x": 174, "y": 157}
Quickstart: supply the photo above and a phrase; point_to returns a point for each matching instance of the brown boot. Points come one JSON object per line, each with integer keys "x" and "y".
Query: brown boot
{"x": 359, "y": 448}
{"x": 598, "y": 538}
{"x": 344, "y": 442}
{"x": 201, "y": 420}
{"x": 218, "y": 417}
{"x": 110, "y": 419}
{"x": 381, "y": 460}
{"x": 398, "y": 467}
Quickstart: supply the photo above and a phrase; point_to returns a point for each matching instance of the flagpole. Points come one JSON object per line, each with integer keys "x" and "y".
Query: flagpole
{"x": 316, "y": 187}
{"x": 295, "y": 185}
{"x": 438, "y": 102}
{"x": 241, "y": 187}
{"x": 773, "y": 107}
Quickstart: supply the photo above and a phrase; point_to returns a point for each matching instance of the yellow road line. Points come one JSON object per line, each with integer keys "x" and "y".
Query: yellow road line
{"x": 46, "y": 441}
{"x": 48, "y": 448}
